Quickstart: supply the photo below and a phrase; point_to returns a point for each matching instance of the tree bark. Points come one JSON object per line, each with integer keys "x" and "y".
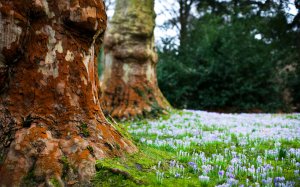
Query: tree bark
{"x": 185, "y": 8}
{"x": 52, "y": 129}
{"x": 129, "y": 82}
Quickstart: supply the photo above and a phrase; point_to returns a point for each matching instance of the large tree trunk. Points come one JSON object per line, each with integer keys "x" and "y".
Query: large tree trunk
{"x": 51, "y": 126}
{"x": 129, "y": 80}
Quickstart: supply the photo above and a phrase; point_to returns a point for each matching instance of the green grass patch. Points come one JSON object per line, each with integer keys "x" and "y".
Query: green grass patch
{"x": 168, "y": 165}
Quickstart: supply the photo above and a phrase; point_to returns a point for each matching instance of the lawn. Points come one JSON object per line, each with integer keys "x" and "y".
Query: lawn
{"x": 197, "y": 148}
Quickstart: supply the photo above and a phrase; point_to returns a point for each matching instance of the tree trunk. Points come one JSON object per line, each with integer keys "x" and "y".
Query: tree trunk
{"x": 184, "y": 14}
{"x": 185, "y": 8}
{"x": 51, "y": 126}
{"x": 129, "y": 80}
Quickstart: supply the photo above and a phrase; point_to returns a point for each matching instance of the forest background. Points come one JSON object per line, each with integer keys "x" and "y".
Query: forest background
{"x": 229, "y": 56}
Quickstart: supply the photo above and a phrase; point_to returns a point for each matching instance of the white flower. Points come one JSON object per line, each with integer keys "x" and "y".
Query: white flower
{"x": 204, "y": 178}
{"x": 223, "y": 185}
{"x": 232, "y": 181}
{"x": 277, "y": 144}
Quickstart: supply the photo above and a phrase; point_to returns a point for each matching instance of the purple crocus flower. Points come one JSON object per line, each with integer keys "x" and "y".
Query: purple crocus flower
{"x": 267, "y": 181}
{"x": 232, "y": 182}
{"x": 193, "y": 165}
{"x": 230, "y": 175}
{"x": 172, "y": 163}
{"x": 177, "y": 175}
{"x": 221, "y": 173}
{"x": 281, "y": 179}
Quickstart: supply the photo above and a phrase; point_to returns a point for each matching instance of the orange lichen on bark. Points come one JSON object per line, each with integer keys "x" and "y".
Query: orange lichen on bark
{"x": 50, "y": 107}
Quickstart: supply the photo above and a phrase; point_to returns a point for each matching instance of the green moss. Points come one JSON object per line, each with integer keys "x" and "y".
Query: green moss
{"x": 140, "y": 92}
{"x": 106, "y": 178}
{"x": 84, "y": 131}
{"x": 140, "y": 170}
{"x": 65, "y": 162}
{"x": 66, "y": 166}
{"x": 155, "y": 109}
{"x": 29, "y": 180}
{"x": 121, "y": 128}
{"x": 133, "y": 170}
{"x": 55, "y": 182}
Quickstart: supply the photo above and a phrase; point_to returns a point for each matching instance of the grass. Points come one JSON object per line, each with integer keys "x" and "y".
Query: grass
{"x": 198, "y": 158}
{"x": 139, "y": 169}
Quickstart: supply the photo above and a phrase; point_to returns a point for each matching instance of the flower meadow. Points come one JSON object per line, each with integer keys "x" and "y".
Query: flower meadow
{"x": 198, "y": 148}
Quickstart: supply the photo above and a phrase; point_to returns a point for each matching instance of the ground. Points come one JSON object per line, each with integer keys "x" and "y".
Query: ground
{"x": 197, "y": 148}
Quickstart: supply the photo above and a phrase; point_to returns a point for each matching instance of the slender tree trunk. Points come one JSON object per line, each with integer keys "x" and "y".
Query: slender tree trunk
{"x": 51, "y": 126}
{"x": 185, "y": 8}
{"x": 129, "y": 81}
{"x": 183, "y": 20}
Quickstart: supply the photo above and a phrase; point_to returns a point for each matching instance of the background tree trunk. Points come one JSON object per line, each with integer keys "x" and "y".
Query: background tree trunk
{"x": 129, "y": 80}
{"x": 51, "y": 126}
{"x": 185, "y": 8}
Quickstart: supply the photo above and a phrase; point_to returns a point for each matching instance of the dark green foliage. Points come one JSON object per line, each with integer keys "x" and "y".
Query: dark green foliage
{"x": 282, "y": 153}
{"x": 225, "y": 67}
{"x": 294, "y": 83}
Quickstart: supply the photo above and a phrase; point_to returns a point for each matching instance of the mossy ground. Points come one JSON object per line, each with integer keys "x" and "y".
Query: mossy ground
{"x": 139, "y": 170}
{"x": 151, "y": 166}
